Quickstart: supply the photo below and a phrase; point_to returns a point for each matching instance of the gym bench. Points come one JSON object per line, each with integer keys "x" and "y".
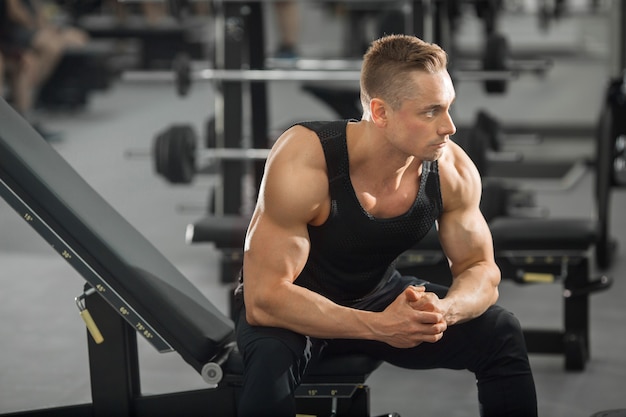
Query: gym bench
{"x": 132, "y": 288}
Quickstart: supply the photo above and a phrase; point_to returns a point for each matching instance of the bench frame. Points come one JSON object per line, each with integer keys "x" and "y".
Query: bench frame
{"x": 116, "y": 390}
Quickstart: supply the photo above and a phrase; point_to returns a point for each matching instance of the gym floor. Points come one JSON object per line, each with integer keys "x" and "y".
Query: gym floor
{"x": 44, "y": 357}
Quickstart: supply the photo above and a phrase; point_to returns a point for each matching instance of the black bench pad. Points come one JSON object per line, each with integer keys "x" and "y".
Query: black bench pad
{"x": 348, "y": 368}
{"x": 84, "y": 224}
{"x": 544, "y": 234}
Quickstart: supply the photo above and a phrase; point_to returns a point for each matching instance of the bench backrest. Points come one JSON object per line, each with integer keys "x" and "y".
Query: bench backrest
{"x": 110, "y": 254}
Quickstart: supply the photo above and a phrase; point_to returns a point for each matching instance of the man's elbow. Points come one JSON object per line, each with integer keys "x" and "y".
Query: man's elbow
{"x": 496, "y": 282}
{"x": 252, "y": 317}
{"x": 495, "y": 296}
{"x": 257, "y": 313}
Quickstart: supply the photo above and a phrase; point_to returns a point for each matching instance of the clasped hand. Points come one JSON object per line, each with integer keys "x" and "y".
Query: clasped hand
{"x": 414, "y": 317}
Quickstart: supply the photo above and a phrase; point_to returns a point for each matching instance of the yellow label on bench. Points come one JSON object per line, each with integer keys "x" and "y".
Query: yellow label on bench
{"x": 537, "y": 277}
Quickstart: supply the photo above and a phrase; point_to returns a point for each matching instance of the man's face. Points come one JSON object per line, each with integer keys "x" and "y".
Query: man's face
{"x": 422, "y": 125}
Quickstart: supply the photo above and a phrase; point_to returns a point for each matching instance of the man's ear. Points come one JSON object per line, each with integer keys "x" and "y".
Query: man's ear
{"x": 378, "y": 110}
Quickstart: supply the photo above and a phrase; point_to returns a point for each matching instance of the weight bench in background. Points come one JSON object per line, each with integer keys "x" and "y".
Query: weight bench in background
{"x": 132, "y": 288}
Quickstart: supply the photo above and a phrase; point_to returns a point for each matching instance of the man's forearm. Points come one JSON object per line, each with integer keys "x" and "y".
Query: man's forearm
{"x": 472, "y": 292}
{"x": 305, "y": 312}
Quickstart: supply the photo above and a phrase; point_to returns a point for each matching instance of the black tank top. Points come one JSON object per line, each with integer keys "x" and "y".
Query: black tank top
{"x": 353, "y": 253}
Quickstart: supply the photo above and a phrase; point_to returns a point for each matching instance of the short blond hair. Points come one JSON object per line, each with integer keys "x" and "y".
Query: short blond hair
{"x": 387, "y": 65}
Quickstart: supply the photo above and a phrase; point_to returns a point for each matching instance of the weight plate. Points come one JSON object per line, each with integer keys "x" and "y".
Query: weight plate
{"x": 174, "y": 154}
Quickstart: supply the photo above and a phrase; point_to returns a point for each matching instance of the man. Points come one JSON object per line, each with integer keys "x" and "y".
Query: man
{"x": 338, "y": 203}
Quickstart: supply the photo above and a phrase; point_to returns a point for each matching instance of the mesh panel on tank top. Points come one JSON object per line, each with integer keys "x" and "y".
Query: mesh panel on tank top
{"x": 353, "y": 253}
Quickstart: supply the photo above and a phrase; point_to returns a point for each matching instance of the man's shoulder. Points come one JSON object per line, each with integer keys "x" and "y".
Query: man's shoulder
{"x": 455, "y": 161}
{"x": 458, "y": 175}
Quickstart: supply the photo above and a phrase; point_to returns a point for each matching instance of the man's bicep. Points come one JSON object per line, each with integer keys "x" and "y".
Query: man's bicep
{"x": 277, "y": 242}
{"x": 465, "y": 238}
{"x": 463, "y": 231}
{"x": 279, "y": 236}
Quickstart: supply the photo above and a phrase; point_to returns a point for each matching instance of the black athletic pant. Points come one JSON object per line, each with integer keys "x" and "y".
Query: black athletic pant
{"x": 491, "y": 346}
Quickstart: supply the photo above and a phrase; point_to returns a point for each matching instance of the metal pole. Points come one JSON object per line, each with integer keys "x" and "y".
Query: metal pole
{"x": 617, "y": 39}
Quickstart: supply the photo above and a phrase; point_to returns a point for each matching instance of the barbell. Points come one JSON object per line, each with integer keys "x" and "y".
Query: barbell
{"x": 183, "y": 75}
{"x": 176, "y": 156}
{"x": 495, "y": 70}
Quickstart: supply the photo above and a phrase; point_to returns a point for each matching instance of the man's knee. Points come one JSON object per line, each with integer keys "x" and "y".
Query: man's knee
{"x": 272, "y": 373}
{"x": 504, "y": 321}
{"x": 505, "y": 349}
{"x": 507, "y": 327}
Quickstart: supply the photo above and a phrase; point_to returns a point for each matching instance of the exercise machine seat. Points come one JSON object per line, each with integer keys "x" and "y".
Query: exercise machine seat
{"x": 343, "y": 368}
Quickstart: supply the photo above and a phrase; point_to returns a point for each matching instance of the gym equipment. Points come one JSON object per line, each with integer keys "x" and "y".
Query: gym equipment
{"x": 345, "y": 101}
{"x": 484, "y": 144}
{"x": 177, "y": 158}
{"x": 132, "y": 288}
{"x": 611, "y": 413}
{"x": 79, "y": 72}
{"x": 550, "y": 12}
{"x": 495, "y": 58}
{"x": 496, "y": 71}
{"x": 174, "y": 154}
{"x": 610, "y": 138}
{"x": 612, "y": 128}
{"x": 239, "y": 44}
{"x": 182, "y": 66}
{"x": 488, "y": 11}
{"x": 183, "y": 75}
{"x": 159, "y": 44}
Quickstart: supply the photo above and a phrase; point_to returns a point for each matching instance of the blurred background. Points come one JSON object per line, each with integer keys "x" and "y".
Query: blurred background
{"x": 109, "y": 83}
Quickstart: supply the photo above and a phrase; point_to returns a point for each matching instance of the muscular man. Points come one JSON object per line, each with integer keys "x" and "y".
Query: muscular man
{"x": 338, "y": 203}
